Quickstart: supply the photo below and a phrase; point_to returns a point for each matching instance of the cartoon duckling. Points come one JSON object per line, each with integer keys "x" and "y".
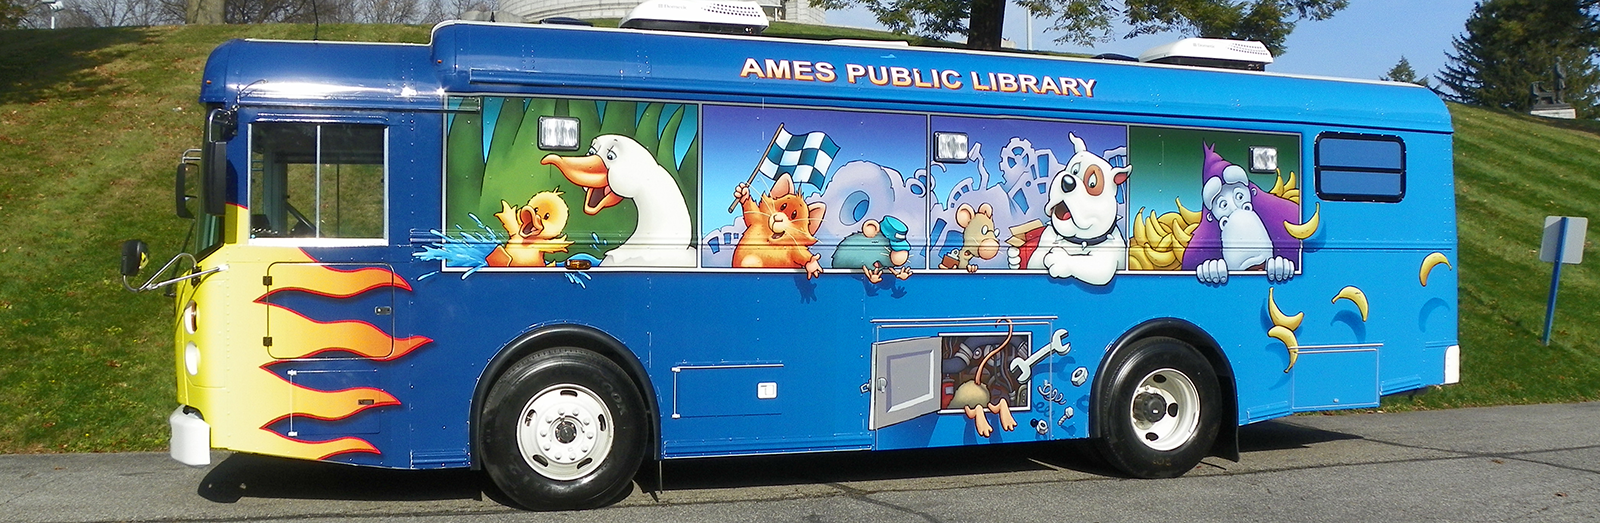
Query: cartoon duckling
{"x": 533, "y": 230}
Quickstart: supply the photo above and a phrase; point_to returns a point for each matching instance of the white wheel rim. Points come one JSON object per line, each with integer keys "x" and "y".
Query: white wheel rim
{"x": 565, "y": 432}
{"x": 1165, "y": 412}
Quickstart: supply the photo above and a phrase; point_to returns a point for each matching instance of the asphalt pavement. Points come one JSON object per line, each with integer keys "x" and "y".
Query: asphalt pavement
{"x": 1522, "y": 463}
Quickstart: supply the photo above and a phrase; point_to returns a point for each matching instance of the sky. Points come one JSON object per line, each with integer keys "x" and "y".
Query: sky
{"x": 1362, "y": 41}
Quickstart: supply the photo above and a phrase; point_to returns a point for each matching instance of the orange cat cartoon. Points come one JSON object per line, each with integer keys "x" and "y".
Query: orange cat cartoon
{"x": 779, "y": 230}
{"x": 534, "y": 229}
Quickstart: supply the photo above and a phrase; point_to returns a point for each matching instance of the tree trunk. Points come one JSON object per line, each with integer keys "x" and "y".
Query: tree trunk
{"x": 203, "y": 12}
{"x": 988, "y": 19}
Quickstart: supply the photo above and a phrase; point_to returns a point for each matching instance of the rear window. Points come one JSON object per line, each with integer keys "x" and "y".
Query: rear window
{"x": 1361, "y": 167}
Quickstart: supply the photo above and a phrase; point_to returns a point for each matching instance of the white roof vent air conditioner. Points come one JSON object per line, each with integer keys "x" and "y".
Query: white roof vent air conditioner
{"x": 1211, "y": 52}
{"x": 700, "y": 16}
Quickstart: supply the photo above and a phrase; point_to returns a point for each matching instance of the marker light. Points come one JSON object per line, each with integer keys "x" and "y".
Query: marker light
{"x": 191, "y": 318}
{"x": 558, "y": 134}
{"x": 191, "y": 358}
{"x": 1263, "y": 159}
{"x": 950, "y": 147}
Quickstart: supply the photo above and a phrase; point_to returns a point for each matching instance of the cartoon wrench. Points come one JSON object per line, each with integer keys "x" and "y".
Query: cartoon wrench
{"x": 1058, "y": 345}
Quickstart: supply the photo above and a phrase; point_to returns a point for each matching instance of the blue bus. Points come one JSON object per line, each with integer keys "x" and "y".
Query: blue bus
{"x": 569, "y": 251}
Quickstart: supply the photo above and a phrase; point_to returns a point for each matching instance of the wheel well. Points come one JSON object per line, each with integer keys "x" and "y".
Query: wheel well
{"x": 1227, "y": 442}
{"x": 566, "y": 335}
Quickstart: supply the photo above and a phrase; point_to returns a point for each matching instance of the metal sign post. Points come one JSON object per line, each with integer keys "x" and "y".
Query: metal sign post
{"x": 1562, "y": 244}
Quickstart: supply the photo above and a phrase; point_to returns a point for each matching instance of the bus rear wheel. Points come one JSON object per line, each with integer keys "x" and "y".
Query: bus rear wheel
{"x": 563, "y": 429}
{"x": 1160, "y": 410}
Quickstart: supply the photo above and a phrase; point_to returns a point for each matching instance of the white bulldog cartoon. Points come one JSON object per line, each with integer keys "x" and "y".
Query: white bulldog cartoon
{"x": 1082, "y": 239}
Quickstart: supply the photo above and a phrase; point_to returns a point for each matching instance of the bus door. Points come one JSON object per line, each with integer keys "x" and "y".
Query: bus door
{"x": 318, "y": 208}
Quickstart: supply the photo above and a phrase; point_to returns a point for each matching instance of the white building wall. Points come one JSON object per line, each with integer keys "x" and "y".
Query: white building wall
{"x": 799, "y": 11}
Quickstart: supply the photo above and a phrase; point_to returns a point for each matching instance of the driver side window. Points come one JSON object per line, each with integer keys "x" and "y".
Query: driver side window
{"x": 317, "y": 180}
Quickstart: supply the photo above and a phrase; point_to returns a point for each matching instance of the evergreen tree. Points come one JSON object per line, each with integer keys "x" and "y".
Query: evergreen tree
{"x": 13, "y": 12}
{"x": 1511, "y": 44}
{"x": 1402, "y": 72}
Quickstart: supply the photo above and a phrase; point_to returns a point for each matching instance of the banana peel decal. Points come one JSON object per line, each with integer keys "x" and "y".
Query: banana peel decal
{"x": 1305, "y": 230}
{"x": 1429, "y": 263}
{"x": 1355, "y": 296}
{"x": 1283, "y": 327}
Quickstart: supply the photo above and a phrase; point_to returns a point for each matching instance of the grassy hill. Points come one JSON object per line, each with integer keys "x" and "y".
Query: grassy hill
{"x": 92, "y": 122}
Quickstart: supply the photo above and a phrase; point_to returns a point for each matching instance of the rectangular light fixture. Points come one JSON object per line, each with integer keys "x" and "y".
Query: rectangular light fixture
{"x": 1263, "y": 159}
{"x": 950, "y": 147}
{"x": 558, "y": 133}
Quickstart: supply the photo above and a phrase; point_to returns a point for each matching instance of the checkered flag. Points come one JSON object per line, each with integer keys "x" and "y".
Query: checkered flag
{"x": 805, "y": 158}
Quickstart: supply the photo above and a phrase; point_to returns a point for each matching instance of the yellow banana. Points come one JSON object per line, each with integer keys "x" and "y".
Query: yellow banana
{"x": 1161, "y": 259}
{"x": 1183, "y": 235}
{"x": 1277, "y": 185}
{"x": 1278, "y": 317}
{"x": 1355, "y": 296}
{"x": 1287, "y": 337}
{"x": 1305, "y": 230}
{"x": 1293, "y": 183}
{"x": 1172, "y": 221}
{"x": 1428, "y": 264}
{"x": 1189, "y": 216}
{"x": 1138, "y": 227}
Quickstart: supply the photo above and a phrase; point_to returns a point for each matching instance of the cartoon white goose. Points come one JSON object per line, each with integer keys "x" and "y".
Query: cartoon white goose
{"x": 617, "y": 168}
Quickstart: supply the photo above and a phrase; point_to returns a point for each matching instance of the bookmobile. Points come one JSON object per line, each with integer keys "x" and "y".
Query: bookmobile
{"x": 557, "y": 253}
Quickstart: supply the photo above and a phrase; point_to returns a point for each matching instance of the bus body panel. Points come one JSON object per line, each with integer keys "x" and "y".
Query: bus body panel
{"x": 767, "y": 360}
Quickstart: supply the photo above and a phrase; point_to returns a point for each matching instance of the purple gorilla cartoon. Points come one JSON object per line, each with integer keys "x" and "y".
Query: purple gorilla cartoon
{"x": 1242, "y": 227}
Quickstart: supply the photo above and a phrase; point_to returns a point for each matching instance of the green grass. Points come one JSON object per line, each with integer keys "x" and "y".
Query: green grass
{"x": 92, "y": 121}
{"x": 1511, "y": 172}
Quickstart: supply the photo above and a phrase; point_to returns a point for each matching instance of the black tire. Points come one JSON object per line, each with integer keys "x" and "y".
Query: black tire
{"x": 598, "y": 431}
{"x": 1166, "y": 437}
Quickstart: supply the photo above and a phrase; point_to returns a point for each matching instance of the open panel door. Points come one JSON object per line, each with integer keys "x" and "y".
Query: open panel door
{"x": 905, "y": 380}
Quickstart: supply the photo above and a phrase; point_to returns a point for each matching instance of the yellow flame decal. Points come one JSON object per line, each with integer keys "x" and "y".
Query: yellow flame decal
{"x": 262, "y": 398}
{"x": 335, "y": 405}
{"x": 296, "y": 336}
{"x": 332, "y": 282}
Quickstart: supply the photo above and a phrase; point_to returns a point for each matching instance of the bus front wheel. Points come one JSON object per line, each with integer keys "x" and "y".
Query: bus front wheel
{"x": 563, "y": 429}
{"x": 1160, "y": 410}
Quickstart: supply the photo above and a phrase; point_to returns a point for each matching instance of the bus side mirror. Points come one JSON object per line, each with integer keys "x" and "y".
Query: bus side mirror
{"x": 221, "y": 126}
{"x": 183, "y": 199}
{"x": 133, "y": 257}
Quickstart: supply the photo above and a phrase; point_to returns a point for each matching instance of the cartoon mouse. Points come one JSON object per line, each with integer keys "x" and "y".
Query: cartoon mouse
{"x": 779, "y": 230}
{"x": 979, "y": 239}
{"x": 533, "y": 230}
{"x": 880, "y": 245}
{"x": 974, "y": 396}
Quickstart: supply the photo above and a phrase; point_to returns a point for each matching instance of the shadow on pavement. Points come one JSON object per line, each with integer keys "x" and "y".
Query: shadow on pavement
{"x": 244, "y": 475}
{"x": 247, "y": 475}
{"x": 1278, "y": 435}
{"x": 841, "y": 467}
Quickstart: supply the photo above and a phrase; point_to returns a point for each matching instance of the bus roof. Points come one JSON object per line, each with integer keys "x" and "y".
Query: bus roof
{"x": 470, "y": 57}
